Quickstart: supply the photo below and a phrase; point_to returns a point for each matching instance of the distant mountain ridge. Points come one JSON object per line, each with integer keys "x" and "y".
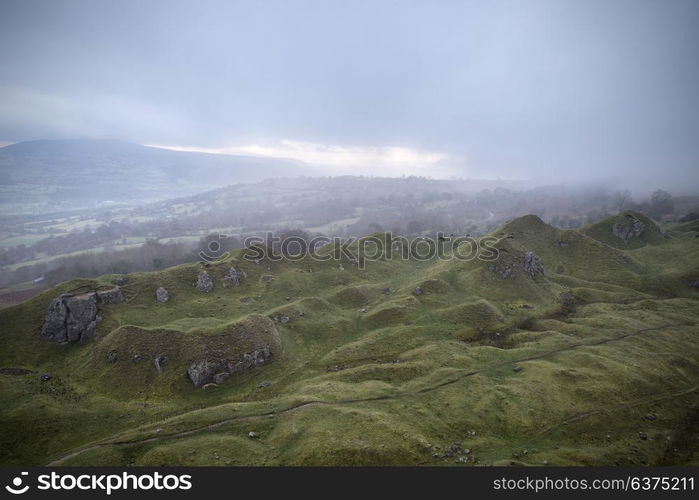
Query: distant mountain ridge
{"x": 96, "y": 169}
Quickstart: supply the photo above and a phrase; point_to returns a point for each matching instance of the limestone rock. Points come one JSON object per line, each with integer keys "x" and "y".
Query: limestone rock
{"x": 113, "y": 296}
{"x": 204, "y": 282}
{"x": 629, "y": 229}
{"x": 205, "y": 371}
{"x": 159, "y": 362}
{"x": 532, "y": 264}
{"x": 162, "y": 295}
{"x": 233, "y": 278}
{"x": 71, "y": 318}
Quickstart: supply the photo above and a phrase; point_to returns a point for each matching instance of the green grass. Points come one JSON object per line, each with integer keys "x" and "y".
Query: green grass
{"x": 359, "y": 376}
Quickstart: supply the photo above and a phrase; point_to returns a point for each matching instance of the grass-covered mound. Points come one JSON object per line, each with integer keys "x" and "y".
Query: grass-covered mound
{"x": 629, "y": 229}
{"x": 570, "y": 349}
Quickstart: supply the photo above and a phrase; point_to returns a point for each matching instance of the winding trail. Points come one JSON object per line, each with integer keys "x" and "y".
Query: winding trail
{"x": 436, "y": 386}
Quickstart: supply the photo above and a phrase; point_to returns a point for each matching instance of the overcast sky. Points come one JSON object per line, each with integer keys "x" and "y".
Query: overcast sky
{"x": 510, "y": 89}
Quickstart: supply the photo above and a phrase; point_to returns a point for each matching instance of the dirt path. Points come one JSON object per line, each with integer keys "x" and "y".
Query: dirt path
{"x": 433, "y": 387}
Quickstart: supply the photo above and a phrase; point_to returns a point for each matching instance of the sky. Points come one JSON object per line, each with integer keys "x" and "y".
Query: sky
{"x": 530, "y": 89}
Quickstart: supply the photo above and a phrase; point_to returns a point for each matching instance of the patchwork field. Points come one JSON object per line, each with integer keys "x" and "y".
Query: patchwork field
{"x": 571, "y": 348}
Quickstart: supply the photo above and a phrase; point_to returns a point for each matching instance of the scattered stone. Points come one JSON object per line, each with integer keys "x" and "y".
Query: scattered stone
{"x": 208, "y": 386}
{"x": 162, "y": 295}
{"x": 245, "y": 300}
{"x": 158, "y": 430}
{"x": 532, "y": 264}
{"x": 560, "y": 269}
{"x": 283, "y": 319}
{"x": 204, "y": 282}
{"x": 516, "y": 368}
{"x": 694, "y": 284}
{"x": 629, "y": 229}
{"x": 643, "y": 435}
{"x": 652, "y": 417}
{"x": 45, "y": 377}
{"x": 386, "y": 291}
{"x": 112, "y": 356}
{"x": 233, "y": 278}
{"x": 120, "y": 281}
{"x": 136, "y": 358}
{"x": 159, "y": 362}
{"x": 253, "y": 434}
{"x": 301, "y": 313}
{"x": 220, "y": 378}
{"x": 545, "y": 462}
{"x": 417, "y": 291}
{"x": 266, "y": 277}
{"x": 362, "y": 310}
{"x": 561, "y": 244}
{"x": 265, "y": 384}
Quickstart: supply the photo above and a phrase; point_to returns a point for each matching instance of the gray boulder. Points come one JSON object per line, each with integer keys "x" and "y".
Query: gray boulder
{"x": 162, "y": 295}
{"x": 159, "y": 362}
{"x": 629, "y": 229}
{"x": 71, "y": 318}
{"x": 205, "y": 371}
{"x": 233, "y": 278}
{"x": 532, "y": 264}
{"x": 204, "y": 282}
{"x": 417, "y": 291}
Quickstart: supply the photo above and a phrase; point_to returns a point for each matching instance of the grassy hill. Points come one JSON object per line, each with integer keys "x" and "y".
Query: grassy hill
{"x": 569, "y": 349}
{"x": 80, "y": 172}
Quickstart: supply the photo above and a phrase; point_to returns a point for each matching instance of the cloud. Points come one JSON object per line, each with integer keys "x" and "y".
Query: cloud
{"x": 27, "y": 112}
{"x": 333, "y": 159}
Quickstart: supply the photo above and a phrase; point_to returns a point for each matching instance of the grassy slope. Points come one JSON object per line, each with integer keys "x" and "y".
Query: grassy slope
{"x": 397, "y": 384}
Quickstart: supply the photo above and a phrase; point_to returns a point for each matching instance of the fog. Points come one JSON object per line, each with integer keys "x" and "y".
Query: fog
{"x": 540, "y": 90}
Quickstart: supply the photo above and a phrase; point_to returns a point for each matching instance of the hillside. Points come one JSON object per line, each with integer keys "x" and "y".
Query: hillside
{"x": 79, "y": 171}
{"x": 565, "y": 350}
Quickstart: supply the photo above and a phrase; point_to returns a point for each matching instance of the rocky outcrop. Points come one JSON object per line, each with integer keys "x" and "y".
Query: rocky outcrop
{"x": 204, "y": 282}
{"x": 162, "y": 295}
{"x": 203, "y": 372}
{"x": 72, "y": 318}
{"x": 113, "y": 296}
{"x": 233, "y": 278}
{"x": 532, "y": 264}
{"x": 629, "y": 228}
